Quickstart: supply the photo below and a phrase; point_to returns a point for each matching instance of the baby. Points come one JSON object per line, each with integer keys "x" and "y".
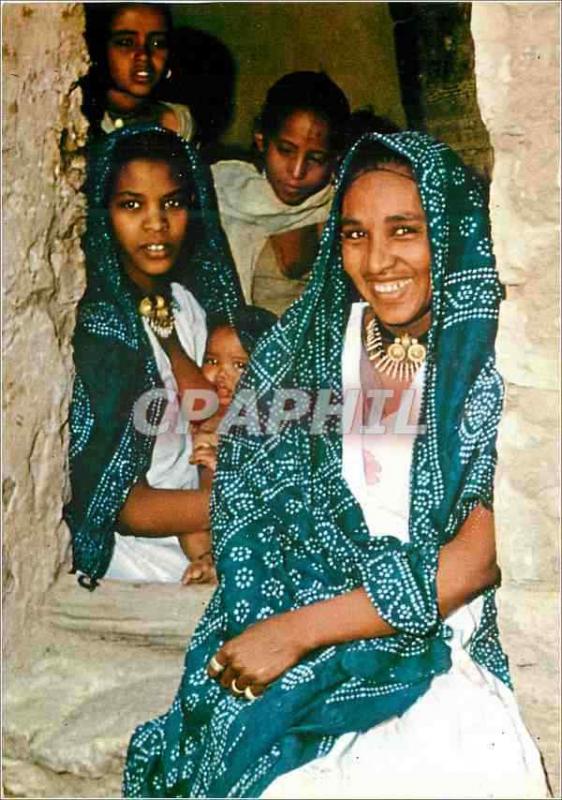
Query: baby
{"x": 231, "y": 340}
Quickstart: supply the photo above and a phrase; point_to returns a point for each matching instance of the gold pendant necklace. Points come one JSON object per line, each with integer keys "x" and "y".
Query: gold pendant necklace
{"x": 403, "y": 358}
{"x": 159, "y": 314}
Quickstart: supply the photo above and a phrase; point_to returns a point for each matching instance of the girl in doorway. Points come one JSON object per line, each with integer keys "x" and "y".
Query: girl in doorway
{"x": 273, "y": 213}
{"x": 130, "y": 46}
{"x": 152, "y": 246}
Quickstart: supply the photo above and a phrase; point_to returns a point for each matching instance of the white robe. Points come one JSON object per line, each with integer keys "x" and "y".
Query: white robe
{"x": 137, "y": 558}
{"x": 186, "y": 123}
{"x": 464, "y": 738}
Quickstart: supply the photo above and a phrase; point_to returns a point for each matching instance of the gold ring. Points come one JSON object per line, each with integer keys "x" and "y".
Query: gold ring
{"x": 216, "y": 665}
{"x": 249, "y": 695}
{"x": 235, "y": 688}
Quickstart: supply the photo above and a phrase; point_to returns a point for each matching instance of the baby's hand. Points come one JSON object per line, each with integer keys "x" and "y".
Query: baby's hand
{"x": 206, "y": 438}
{"x": 205, "y": 457}
{"x": 201, "y": 570}
{"x": 210, "y": 424}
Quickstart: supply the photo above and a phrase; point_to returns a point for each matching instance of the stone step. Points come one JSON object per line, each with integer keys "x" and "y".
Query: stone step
{"x": 144, "y": 614}
{"x": 86, "y": 682}
{"x": 69, "y": 713}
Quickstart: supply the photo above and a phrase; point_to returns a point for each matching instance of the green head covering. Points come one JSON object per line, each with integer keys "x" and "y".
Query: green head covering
{"x": 113, "y": 357}
{"x": 249, "y": 322}
{"x": 288, "y": 531}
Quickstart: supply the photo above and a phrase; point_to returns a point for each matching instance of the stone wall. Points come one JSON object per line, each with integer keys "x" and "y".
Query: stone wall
{"x": 44, "y": 55}
{"x": 518, "y": 73}
{"x": 436, "y": 59}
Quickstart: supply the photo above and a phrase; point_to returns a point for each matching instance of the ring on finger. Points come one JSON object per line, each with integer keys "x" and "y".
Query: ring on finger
{"x": 216, "y": 665}
{"x": 235, "y": 688}
{"x": 249, "y": 695}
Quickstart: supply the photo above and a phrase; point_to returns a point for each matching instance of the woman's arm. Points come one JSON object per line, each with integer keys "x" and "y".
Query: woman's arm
{"x": 164, "y": 512}
{"x": 467, "y": 566}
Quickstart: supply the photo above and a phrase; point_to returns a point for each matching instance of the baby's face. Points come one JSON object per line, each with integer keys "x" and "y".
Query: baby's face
{"x": 224, "y": 362}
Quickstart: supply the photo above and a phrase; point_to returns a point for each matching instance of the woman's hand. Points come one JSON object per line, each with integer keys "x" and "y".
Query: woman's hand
{"x": 467, "y": 566}
{"x": 260, "y": 655}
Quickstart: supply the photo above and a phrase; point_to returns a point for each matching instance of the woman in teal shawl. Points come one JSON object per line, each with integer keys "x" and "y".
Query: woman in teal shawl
{"x": 349, "y": 632}
{"x": 115, "y": 364}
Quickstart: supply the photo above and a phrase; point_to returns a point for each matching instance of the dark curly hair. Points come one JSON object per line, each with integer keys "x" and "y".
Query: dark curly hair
{"x": 99, "y": 17}
{"x": 305, "y": 91}
{"x": 249, "y": 322}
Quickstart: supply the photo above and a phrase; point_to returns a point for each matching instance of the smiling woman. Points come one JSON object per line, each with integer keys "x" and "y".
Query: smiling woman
{"x": 356, "y": 605}
{"x": 385, "y": 246}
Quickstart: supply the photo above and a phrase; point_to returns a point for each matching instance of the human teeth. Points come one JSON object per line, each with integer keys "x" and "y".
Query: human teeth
{"x": 155, "y": 248}
{"x": 388, "y": 288}
{"x": 142, "y": 74}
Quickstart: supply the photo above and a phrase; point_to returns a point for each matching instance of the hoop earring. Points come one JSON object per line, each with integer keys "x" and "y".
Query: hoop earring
{"x": 168, "y": 74}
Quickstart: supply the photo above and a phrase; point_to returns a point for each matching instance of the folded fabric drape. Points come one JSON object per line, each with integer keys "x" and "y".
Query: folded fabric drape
{"x": 288, "y": 531}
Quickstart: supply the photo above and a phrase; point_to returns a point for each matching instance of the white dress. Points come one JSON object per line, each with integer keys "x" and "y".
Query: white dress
{"x": 464, "y": 738}
{"x": 137, "y": 558}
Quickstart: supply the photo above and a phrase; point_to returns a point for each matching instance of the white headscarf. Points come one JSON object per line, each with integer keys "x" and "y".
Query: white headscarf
{"x": 251, "y": 212}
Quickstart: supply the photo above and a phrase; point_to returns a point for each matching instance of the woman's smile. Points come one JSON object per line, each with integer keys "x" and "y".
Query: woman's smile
{"x": 385, "y": 246}
{"x": 156, "y": 251}
{"x": 391, "y": 288}
{"x": 143, "y": 76}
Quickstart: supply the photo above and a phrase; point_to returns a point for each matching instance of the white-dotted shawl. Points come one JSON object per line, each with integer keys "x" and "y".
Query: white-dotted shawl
{"x": 288, "y": 531}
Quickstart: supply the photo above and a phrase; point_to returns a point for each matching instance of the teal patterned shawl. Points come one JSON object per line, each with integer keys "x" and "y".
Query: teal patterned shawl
{"x": 288, "y": 531}
{"x": 114, "y": 360}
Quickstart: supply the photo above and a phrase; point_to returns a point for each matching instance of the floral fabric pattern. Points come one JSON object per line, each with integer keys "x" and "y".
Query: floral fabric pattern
{"x": 282, "y": 512}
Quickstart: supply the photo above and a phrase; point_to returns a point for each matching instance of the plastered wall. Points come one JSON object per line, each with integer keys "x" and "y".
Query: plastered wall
{"x": 268, "y": 40}
{"x": 43, "y": 278}
{"x": 518, "y": 81}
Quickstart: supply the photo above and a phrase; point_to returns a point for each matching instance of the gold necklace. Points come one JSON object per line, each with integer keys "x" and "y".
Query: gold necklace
{"x": 159, "y": 314}
{"x": 403, "y": 358}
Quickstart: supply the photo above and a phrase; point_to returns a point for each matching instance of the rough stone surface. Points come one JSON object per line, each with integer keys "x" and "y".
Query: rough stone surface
{"x": 44, "y": 54}
{"x": 72, "y": 704}
{"x": 534, "y": 663}
{"x": 144, "y": 614}
{"x": 517, "y": 73}
{"x": 436, "y": 57}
